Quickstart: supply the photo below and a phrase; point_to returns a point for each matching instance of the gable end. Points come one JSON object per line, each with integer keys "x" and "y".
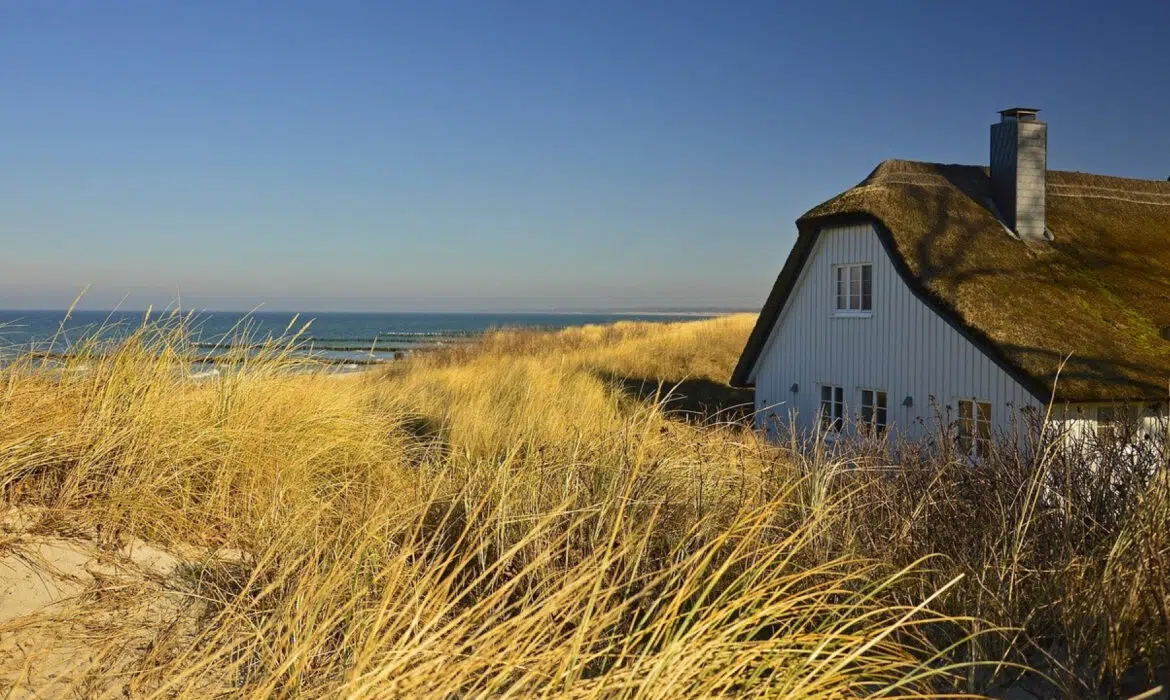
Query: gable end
{"x": 809, "y": 231}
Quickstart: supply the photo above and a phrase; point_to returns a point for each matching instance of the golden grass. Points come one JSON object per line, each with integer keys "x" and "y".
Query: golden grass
{"x": 508, "y": 518}
{"x": 496, "y": 520}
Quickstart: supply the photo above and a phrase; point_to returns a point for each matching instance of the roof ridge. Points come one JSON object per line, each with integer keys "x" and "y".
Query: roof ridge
{"x": 1161, "y": 184}
{"x": 1160, "y": 200}
{"x": 1123, "y": 178}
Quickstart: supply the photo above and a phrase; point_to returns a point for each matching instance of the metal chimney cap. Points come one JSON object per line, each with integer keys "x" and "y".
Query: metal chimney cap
{"x": 1022, "y": 114}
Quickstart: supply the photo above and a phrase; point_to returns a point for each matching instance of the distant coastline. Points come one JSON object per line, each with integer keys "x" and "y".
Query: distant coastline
{"x": 697, "y": 313}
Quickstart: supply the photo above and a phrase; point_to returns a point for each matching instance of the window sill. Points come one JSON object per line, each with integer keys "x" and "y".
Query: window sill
{"x": 852, "y": 314}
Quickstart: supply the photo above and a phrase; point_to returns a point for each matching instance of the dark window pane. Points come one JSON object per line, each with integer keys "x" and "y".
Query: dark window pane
{"x": 867, "y": 287}
{"x": 966, "y": 411}
{"x": 827, "y": 407}
{"x": 1106, "y": 422}
{"x": 983, "y": 430}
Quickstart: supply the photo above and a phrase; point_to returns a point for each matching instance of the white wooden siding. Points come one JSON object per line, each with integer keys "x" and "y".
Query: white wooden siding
{"x": 905, "y": 348}
{"x": 1079, "y": 421}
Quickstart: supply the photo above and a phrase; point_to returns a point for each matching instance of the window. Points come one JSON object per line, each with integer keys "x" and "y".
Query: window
{"x": 873, "y": 410}
{"x": 1113, "y": 421}
{"x": 1106, "y": 423}
{"x": 975, "y": 427}
{"x": 832, "y": 407}
{"x": 854, "y": 288}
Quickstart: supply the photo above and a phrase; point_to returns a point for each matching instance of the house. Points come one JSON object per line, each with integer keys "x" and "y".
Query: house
{"x": 975, "y": 293}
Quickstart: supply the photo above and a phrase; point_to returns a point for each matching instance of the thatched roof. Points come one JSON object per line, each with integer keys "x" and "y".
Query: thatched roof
{"x": 1098, "y": 293}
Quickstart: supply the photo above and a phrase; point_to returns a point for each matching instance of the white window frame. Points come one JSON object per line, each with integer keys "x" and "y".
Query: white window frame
{"x": 878, "y": 407}
{"x": 831, "y": 410}
{"x": 846, "y": 303}
{"x": 973, "y": 441}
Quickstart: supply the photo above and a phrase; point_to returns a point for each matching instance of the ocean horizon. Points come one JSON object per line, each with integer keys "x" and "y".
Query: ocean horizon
{"x": 359, "y": 337}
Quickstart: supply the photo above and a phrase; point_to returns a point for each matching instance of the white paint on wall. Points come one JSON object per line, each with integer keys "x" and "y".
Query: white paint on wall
{"x": 903, "y": 347}
{"x": 1080, "y": 421}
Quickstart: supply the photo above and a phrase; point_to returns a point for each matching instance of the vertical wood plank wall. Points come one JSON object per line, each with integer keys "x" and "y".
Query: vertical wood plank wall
{"x": 905, "y": 348}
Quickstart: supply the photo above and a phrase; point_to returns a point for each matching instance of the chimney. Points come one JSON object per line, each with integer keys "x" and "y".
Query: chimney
{"x": 1019, "y": 168}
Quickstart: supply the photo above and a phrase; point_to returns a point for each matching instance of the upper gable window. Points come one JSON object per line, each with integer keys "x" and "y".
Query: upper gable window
{"x": 854, "y": 288}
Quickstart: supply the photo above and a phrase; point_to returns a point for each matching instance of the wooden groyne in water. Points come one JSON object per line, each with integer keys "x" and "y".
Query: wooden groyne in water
{"x": 306, "y": 351}
{"x": 230, "y": 358}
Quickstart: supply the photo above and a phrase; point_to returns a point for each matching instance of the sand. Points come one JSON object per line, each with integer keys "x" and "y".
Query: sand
{"x": 65, "y": 598}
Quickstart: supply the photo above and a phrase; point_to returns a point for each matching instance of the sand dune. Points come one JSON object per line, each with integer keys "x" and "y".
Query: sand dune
{"x": 77, "y": 605}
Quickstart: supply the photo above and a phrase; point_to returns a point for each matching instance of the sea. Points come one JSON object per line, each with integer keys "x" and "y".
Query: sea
{"x": 343, "y": 339}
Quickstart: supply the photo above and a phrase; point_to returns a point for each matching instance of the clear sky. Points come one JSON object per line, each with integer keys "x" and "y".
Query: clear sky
{"x": 509, "y": 155}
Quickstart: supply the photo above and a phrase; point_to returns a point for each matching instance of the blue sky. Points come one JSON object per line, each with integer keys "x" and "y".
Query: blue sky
{"x": 511, "y": 155}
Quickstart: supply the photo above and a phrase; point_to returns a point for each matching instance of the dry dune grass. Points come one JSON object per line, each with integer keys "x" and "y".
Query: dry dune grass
{"x": 513, "y": 517}
{"x": 497, "y": 520}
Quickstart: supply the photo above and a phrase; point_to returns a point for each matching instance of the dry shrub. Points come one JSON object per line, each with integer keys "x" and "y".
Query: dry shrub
{"x": 1066, "y": 541}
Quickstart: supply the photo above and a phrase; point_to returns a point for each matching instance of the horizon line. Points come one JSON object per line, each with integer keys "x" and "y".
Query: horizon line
{"x": 613, "y": 312}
